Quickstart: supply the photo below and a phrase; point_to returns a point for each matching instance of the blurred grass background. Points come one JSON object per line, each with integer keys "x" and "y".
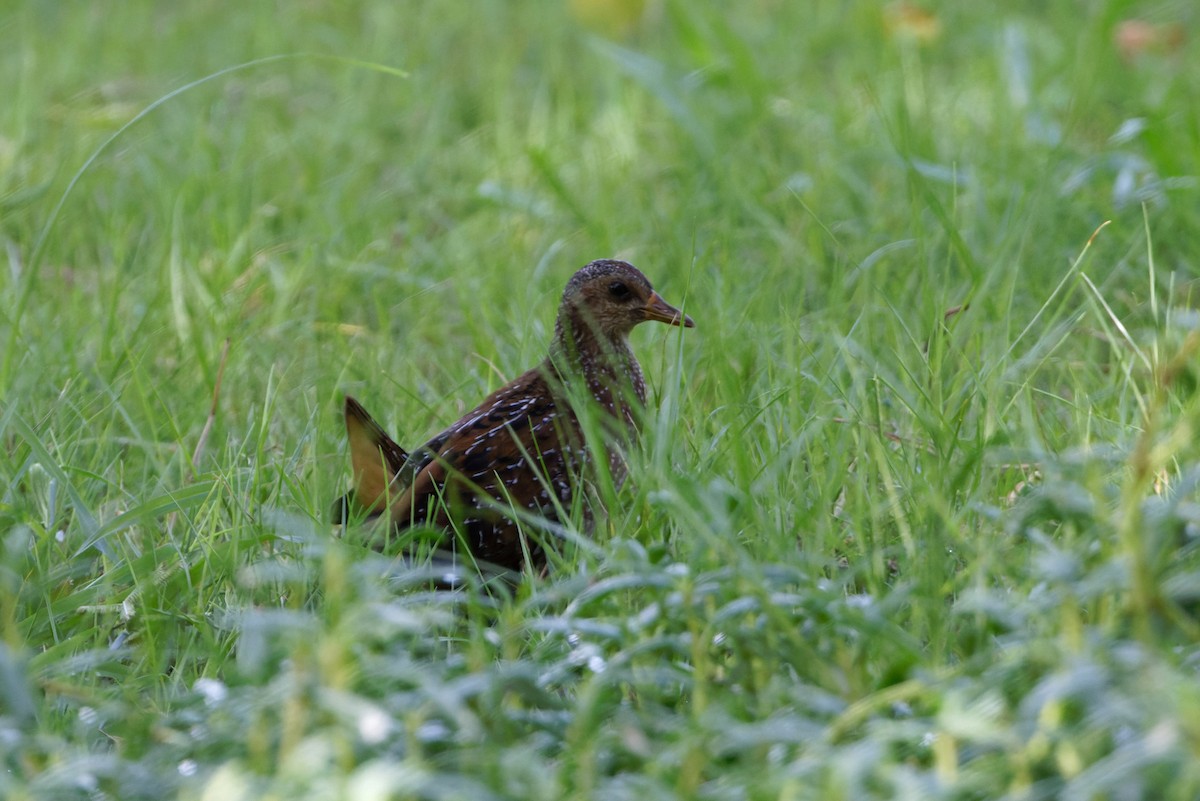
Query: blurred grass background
{"x": 874, "y": 548}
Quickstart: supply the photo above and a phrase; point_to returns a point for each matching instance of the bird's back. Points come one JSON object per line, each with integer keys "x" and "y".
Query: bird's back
{"x": 519, "y": 453}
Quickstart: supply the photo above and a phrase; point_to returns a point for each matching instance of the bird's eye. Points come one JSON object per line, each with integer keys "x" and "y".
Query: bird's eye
{"x": 619, "y": 290}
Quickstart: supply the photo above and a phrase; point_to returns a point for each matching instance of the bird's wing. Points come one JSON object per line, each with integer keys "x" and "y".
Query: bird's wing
{"x": 482, "y": 451}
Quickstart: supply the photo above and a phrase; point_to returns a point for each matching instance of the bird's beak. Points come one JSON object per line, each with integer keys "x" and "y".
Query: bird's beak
{"x": 659, "y": 309}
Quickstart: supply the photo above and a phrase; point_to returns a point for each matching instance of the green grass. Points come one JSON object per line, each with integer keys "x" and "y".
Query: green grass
{"x": 870, "y": 550}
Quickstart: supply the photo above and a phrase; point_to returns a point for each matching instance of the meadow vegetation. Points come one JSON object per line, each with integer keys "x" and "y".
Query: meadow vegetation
{"x": 916, "y": 514}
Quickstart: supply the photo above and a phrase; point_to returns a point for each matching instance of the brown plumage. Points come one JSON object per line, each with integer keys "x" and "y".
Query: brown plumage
{"x": 524, "y": 447}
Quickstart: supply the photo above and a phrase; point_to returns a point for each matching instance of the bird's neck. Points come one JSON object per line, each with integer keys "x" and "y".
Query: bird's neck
{"x": 605, "y": 363}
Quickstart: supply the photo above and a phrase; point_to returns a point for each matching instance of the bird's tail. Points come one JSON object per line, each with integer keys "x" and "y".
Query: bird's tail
{"x": 376, "y": 460}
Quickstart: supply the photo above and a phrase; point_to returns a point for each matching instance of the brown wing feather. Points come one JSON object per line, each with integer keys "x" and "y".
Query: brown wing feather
{"x": 483, "y": 461}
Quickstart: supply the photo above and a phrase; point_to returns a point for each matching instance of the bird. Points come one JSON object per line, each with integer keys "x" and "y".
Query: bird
{"x": 526, "y": 452}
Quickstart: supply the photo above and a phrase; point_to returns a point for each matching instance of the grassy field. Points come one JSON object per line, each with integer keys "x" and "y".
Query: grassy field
{"x": 872, "y": 548}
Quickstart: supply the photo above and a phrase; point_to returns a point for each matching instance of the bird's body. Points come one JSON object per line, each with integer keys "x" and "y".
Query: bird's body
{"x": 523, "y": 453}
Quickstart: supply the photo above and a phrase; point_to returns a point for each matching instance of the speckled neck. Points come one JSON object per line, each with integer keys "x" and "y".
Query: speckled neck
{"x": 604, "y": 362}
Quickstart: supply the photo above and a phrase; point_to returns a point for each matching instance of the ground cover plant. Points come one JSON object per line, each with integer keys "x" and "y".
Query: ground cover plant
{"x": 916, "y": 512}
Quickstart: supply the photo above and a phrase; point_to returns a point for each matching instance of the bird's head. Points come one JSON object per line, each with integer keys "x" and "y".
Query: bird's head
{"x": 610, "y": 297}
